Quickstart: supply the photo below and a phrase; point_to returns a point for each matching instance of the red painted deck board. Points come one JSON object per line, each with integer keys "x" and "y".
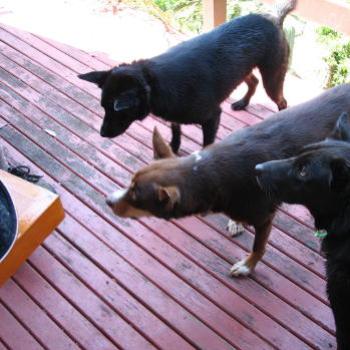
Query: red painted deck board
{"x": 14, "y": 334}
{"x": 83, "y": 331}
{"x": 23, "y": 307}
{"x": 100, "y": 282}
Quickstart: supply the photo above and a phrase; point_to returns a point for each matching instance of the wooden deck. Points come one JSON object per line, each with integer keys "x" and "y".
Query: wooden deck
{"x": 100, "y": 282}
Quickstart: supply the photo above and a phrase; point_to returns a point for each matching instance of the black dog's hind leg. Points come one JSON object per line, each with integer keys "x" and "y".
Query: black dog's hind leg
{"x": 176, "y": 137}
{"x": 273, "y": 82}
{"x": 210, "y": 128}
{"x": 252, "y": 82}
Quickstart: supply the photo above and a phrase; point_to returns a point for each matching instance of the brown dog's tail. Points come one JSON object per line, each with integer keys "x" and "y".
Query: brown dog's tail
{"x": 283, "y": 9}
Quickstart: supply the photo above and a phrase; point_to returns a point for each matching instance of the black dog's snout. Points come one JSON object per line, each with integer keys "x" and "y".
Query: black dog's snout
{"x": 103, "y": 134}
{"x": 259, "y": 169}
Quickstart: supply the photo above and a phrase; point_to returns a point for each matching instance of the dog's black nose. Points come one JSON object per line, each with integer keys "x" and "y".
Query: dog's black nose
{"x": 259, "y": 169}
{"x": 109, "y": 201}
{"x": 103, "y": 133}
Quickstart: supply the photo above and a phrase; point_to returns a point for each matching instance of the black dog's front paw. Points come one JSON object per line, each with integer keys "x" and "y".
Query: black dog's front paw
{"x": 175, "y": 146}
{"x": 239, "y": 105}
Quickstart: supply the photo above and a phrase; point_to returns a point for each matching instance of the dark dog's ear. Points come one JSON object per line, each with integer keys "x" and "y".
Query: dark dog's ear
{"x": 96, "y": 77}
{"x": 160, "y": 148}
{"x": 169, "y": 196}
{"x": 341, "y": 130}
{"x": 340, "y": 176}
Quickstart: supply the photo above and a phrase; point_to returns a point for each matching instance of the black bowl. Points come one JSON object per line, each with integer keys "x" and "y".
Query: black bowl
{"x": 8, "y": 222}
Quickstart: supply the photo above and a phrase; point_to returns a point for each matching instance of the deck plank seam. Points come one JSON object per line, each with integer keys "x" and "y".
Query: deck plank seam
{"x": 43, "y": 310}
{"x": 23, "y": 324}
{"x": 95, "y": 292}
{"x": 34, "y": 266}
{"x": 4, "y": 344}
{"x": 19, "y": 283}
{"x": 111, "y": 276}
{"x": 164, "y": 291}
{"x": 45, "y": 52}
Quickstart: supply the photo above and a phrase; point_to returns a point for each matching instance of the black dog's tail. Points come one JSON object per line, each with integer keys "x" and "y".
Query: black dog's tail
{"x": 283, "y": 9}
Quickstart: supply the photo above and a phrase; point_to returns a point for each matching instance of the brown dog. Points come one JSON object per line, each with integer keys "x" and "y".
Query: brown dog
{"x": 221, "y": 177}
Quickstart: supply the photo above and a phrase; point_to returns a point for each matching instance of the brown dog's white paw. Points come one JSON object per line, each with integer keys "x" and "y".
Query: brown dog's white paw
{"x": 234, "y": 228}
{"x": 241, "y": 268}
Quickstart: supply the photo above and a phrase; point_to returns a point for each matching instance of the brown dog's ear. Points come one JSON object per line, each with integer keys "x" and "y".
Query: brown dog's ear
{"x": 96, "y": 77}
{"x": 169, "y": 195}
{"x": 160, "y": 148}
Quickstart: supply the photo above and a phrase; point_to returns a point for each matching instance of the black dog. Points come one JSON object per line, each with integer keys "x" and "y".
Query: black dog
{"x": 221, "y": 177}
{"x": 319, "y": 178}
{"x": 187, "y": 84}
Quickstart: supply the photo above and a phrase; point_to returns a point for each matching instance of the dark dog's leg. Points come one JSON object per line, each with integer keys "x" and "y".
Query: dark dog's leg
{"x": 176, "y": 137}
{"x": 247, "y": 265}
{"x": 338, "y": 287}
{"x": 273, "y": 82}
{"x": 210, "y": 128}
{"x": 252, "y": 82}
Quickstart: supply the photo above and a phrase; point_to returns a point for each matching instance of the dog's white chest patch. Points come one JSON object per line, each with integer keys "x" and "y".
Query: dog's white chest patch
{"x": 197, "y": 156}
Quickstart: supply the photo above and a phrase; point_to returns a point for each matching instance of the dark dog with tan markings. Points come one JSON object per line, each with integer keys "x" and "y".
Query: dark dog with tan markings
{"x": 221, "y": 177}
{"x": 319, "y": 178}
{"x": 187, "y": 84}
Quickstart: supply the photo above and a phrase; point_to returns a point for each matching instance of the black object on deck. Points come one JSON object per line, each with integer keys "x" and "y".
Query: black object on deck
{"x": 8, "y": 222}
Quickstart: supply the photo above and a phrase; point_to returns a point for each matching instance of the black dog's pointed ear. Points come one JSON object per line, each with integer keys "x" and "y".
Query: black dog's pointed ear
{"x": 340, "y": 175}
{"x": 341, "y": 130}
{"x": 96, "y": 77}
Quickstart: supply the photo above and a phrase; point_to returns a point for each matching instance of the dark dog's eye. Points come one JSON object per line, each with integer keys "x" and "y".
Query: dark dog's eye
{"x": 302, "y": 171}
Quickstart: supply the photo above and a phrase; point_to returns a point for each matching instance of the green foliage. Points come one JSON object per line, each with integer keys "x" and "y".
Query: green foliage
{"x": 234, "y": 10}
{"x": 188, "y": 15}
{"x": 290, "y": 34}
{"x": 327, "y": 34}
{"x": 185, "y": 15}
{"x": 338, "y": 58}
{"x": 338, "y": 64}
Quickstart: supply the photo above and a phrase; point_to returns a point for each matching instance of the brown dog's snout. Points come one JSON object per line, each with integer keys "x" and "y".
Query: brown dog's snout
{"x": 109, "y": 201}
{"x": 119, "y": 203}
{"x": 114, "y": 198}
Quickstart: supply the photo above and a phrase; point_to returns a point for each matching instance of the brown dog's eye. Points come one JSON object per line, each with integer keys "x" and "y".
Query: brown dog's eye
{"x": 133, "y": 195}
{"x": 132, "y": 191}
